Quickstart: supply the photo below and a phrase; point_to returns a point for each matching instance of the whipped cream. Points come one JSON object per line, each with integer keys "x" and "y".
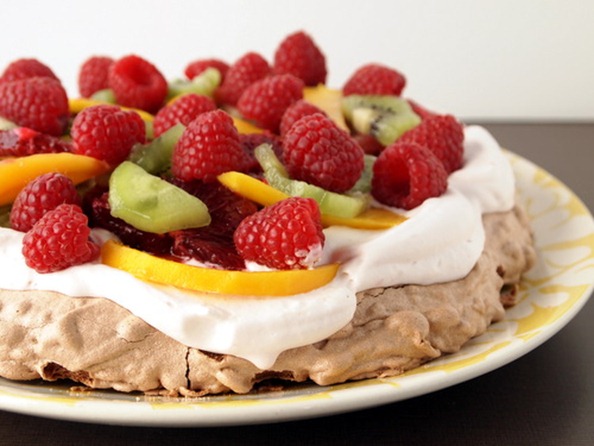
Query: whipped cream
{"x": 440, "y": 241}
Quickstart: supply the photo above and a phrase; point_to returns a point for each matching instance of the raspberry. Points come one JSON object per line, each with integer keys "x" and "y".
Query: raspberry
{"x": 183, "y": 110}
{"x": 60, "y": 239}
{"x": 93, "y": 75}
{"x": 41, "y": 195}
{"x": 294, "y": 113}
{"x": 208, "y": 147}
{"x": 26, "y": 68}
{"x": 265, "y": 101}
{"x": 22, "y": 141}
{"x": 245, "y": 71}
{"x": 375, "y": 79}
{"x": 196, "y": 67}
{"x": 137, "y": 83}
{"x": 249, "y": 142}
{"x": 421, "y": 111}
{"x": 39, "y": 103}
{"x": 317, "y": 151}
{"x": 298, "y": 55}
{"x": 443, "y": 135}
{"x": 406, "y": 174}
{"x": 286, "y": 235}
{"x": 213, "y": 244}
{"x": 107, "y": 133}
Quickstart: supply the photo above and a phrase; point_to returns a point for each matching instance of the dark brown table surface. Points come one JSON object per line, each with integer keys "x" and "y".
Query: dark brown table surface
{"x": 544, "y": 398}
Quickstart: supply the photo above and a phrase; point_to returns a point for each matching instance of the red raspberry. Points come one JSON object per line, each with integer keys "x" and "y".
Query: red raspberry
{"x": 183, "y": 110}
{"x": 421, "y": 111}
{"x": 107, "y": 132}
{"x": 60, "y": 239}
{"x": 249, "y": 142}
{"x": 295, "y": 112}
{"x": 406, "y": 174}
{"x": 245, "y": 71}
{"x": 23, "y": 141}
{"x": 265, "y": 101}
{"x": 198, "y": 66}
{"x": 299, "y": 55}
{"x": 39, "y": 103}
{"x": 286, "y": 235}
{"x": 317, "y": 151}
{"x": 208, "y": 147}
{"x": 41, "y": 195}
{"x": 137, "y": 83}
{"x": 375, "y": 79}
{"x": 443, "y": 135}
{"x": 93, "y": 75}
{"x": 26, "y": 68}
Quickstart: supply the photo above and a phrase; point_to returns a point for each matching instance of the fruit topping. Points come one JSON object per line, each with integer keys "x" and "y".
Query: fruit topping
{"x": 196, "y": 67}
{"x": 137, "y": 83}
{"x": 60, "y": 239}
{"x": 39, "y": 103}
{"x": 262, "y": 193}
{"x": 93, "y": 75}
{"x": 286, "y": 235}
{"x": 250, "y": 141}
{"x": 329, "y": 101}
{"x": 204, "y": 84}
{"x": 151, "y": 204}
{"x": 444, "y": 136}
{"x": 40, "y": 196}
{"x": 211, "y": 280}
{"x": 331, "y": 203}
{"x": 181, "y": 111}
{"x": 384, "y": 117}
{"x": 248, "y": 69}
{"x": 375, "y": 79}
{"x": 299, "y": 55}
{"x": 107, "y": 132}
{"x": 406, "y": 174}
{"x": 16, "y": 173}
{"x": 208, "y": 147}
{"x": 265, "y": 101}
{"x": 318, "y": 152}
{"x": 295, "y": 112}
{"x": 155, "y": 155}
{"x": 26, "y": 68}
{"x": 22, "y": 141}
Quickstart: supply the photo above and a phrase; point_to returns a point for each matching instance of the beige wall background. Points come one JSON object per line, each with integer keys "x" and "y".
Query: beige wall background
{"x": 492, "y": 59}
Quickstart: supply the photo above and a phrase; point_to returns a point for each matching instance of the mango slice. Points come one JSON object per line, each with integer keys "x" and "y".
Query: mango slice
{"x": 16, "y": 173}
{"x": 265, "y": 283}
{"x": 79, "y": 104}
{"x": 261, "y": 193}
{"x": 245, "y": 127}
{"x": 329, "y": 100}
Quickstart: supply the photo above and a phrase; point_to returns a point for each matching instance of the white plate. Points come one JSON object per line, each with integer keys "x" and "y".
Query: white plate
{"x": 551, "y": 295}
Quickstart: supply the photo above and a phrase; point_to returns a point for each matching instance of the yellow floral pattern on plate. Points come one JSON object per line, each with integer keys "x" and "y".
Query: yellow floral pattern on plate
{"x": 551, "y": 295}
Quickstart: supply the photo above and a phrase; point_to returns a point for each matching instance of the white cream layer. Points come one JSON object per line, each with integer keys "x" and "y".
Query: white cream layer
{"x": 441, "y": 241}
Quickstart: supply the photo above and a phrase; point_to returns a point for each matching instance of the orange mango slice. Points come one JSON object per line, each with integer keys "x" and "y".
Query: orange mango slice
{"x": 245, "y": 127}
{"x": 16, "y": 173}
{"x": 243, "y": 283}
{"x": 261, "y": 193}
{"x": 328, "y": 100}
{"x": 78, "y": 104}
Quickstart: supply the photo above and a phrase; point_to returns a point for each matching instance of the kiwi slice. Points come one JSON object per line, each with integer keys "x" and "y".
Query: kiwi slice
{"x": 106, "y": 95}
{"x": 331, "y": 203}
{"x": 151, "y": 204}
{"x": 205, "y": 84}
{"x": 363, "y": 185}
{"x": 155, "y": 156}
{"x": 384, "y": 117}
